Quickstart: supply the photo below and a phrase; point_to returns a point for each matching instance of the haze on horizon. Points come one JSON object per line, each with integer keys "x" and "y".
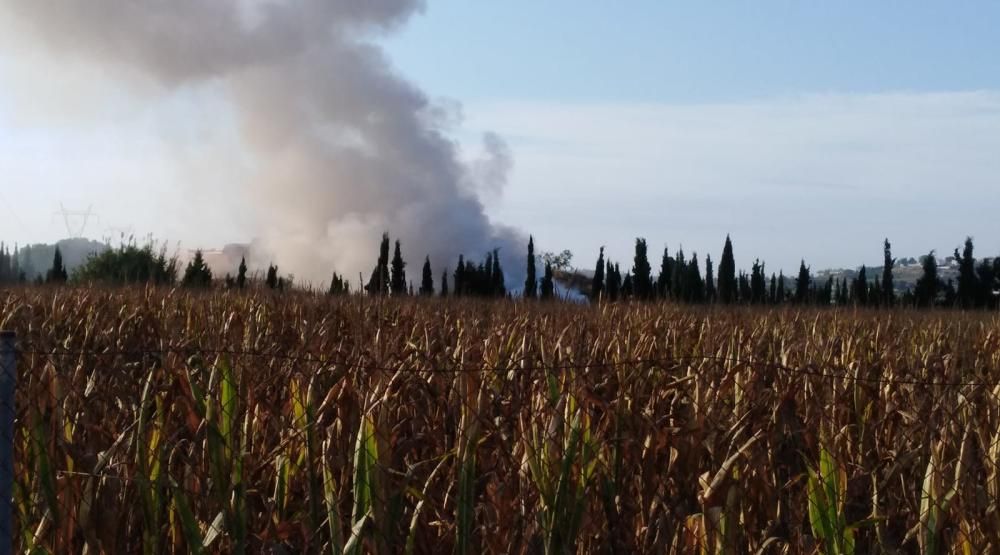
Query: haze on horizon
{"x": 805, "y": 131}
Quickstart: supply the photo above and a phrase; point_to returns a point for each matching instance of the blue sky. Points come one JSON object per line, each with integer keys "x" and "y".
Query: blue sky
{"x": 804, "y": 129}
{"x": 697, "y": 52}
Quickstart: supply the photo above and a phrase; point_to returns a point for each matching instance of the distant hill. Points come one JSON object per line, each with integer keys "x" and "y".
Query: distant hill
{"x": 36, "y": 259}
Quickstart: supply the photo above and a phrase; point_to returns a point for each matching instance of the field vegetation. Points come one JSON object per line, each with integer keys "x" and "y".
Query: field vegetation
{"x": 153, "y": 420}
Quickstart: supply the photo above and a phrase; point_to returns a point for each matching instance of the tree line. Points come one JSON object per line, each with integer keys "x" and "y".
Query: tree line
{"x": 680, "y": 278}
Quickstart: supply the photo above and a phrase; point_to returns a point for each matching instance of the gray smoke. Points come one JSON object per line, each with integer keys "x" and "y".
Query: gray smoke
{"x": 342, "y": 148}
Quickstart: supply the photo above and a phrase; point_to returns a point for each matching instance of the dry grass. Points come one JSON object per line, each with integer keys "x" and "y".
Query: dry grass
{"x": 472, "y": 427}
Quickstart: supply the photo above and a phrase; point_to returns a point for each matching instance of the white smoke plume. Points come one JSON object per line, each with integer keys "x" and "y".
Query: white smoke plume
{"x": 341, "y": 147}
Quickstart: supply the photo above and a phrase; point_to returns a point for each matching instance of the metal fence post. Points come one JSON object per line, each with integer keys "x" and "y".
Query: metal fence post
{"x": 8, "y": 383}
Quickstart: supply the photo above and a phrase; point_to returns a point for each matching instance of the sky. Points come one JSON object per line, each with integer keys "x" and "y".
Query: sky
{"x": 803, "y": 129}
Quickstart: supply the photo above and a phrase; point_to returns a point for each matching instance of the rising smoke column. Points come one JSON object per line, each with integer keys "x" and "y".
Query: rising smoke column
{"x": 341, "y": 147}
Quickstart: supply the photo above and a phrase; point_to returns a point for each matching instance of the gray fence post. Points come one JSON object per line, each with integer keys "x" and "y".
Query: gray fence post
{"x": 8, "y": 383}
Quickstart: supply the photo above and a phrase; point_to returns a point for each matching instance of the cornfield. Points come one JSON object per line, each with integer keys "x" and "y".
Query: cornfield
{"x": 157, "y": 421}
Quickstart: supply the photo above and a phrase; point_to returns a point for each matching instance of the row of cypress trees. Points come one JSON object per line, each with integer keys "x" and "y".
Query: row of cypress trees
{"x": 680, "y": 279}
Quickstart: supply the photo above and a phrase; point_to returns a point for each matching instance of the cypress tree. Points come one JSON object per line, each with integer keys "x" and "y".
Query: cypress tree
{"x": 338, "y": 285}
{"x": 241, "y": 275}
{"x": 15, "y": 267}
{"x": 663, "y": 282}
{"x": 694, "y": 287}
{"x": 398, "y": 282}
{"x": 888, "y": 284}
{"x": 460, "y": 276}
{"x": 597, "y": 284}
{"x": 968, "y": 286}
{"x": 781, "y": 295}
{"x": 272, "y": 276}
{"x": 197, "y": 273}
{"x": 531, "y": 281}
{"x": 379, "y": 283}
{"x": 950, "y": 294}
{"x": 802, "y": 284}
{"x": 613, "y": 282}
{"x": 678, "y": 285}
{"x": 926, "y": 290}
{"x": 628, "y": 288}
{"x": 444, "y": 284}
{"x": 427, "y": 281}
{"x": 986, "y": 278}
{"x": 57, "y": 274}
{"x": 4, "y": 264}
{"x": 642, "y": 282}
{"x": 860, "y": 290}
{"x": 875, "y": 296}
{"x": 548, "y": 285}
{"x": 727, "y": 274}
{"x": 773, "y": 297}
{"x": 499, "y": 289}
{"x": 758, "y": 291}
{"x": 709, "y": 280}
{"x": 746, "y": 292}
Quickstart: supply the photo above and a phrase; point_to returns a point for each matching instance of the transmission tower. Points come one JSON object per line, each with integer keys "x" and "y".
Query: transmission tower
{"x": 76, "y": 220}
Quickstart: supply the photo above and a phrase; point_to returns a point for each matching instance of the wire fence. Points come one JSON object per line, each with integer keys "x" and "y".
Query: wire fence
{"x": 178, "y": 450}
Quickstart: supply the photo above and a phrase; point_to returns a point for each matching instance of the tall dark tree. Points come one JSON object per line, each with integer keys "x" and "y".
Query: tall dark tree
{"x": 460, "y": 277}
{"x": 709, "y": 280}
{"x": 597, "y": 284}
{"x": 950, "y": 293}
{"x": 859, "y": 291}
{"x": 444, "y": 284}
{"x": 379, "y": 283}
{"x": 197, "y": 273}
{"x": 802, "y": 284}
{"x": 398, "y": 279}
{"x": 888, "y": 283}
{"x": 678, "y": 278}
{"x": 241, "y": 275}
{"x": 773, "y": 295}
{"x": 694, "y": 287}
{"x": 987, "y": 279}
{"x": 5, "y": 273}
{"x": 531, "y": 281}
{"x": 746, "y": 292}
{"x": 826, "y": 295}
{"x": 968, "y": 284}
{"x": 338, "y": 285}
{"x": 496, "y": 276}
{"x": 727, "y": 274}
{"x": 925, "y": 292}
{"x": 665, "y": 279}
{"x": 628, "y": 288}
{"x": 614, "y": 282}
{"x": 57, "y": 273}
{"x": 272, "y": 276}
{"x": 781, "y": 294}
{"x": 548, "y": 283}
{"x": 427, "y": 281}
{"x": 642, "y": 281}
{"x": 758, "y": 287}
{"x": 875, "y": 296}
{"x": 15, "y": 267}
